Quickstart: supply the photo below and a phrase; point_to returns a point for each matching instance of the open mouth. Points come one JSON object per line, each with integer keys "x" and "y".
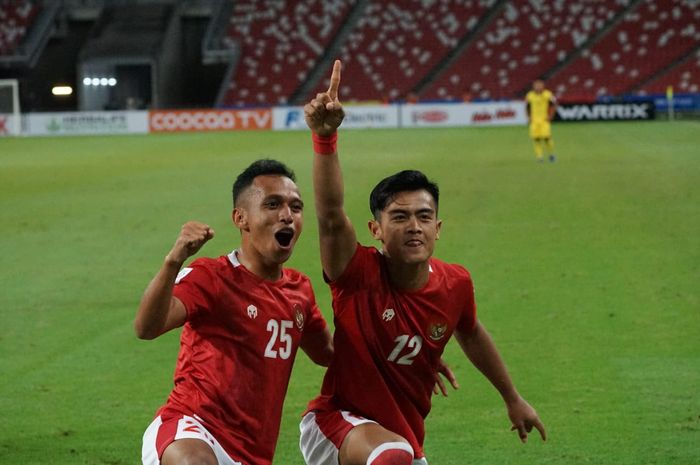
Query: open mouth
{"x": 284, "y": 237}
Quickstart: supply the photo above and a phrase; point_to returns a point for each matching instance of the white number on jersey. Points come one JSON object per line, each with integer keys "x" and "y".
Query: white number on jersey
{"x": 279, "y": 328}
{"x": 415, "y": 343}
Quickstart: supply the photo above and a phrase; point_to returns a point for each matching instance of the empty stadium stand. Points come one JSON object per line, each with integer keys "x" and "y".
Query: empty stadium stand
{"x": 280, "y": 43}
{"x": 525, "y": 40}
{"x": 15, "y": 20}
{"x": 684, "y": 78}
{"x": 652, "y": 35}
{"x": 397, "y": 42}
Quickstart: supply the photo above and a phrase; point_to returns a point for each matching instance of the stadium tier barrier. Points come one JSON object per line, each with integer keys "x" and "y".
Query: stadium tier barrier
{"x": 505, "y": 113}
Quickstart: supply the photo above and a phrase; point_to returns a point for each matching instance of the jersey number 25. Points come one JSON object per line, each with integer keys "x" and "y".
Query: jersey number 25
{"x": 279, "y": 329}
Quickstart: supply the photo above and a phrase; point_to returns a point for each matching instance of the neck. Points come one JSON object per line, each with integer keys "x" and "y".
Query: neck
{"x": 408, "y": 276}
{"x": 257, "y": 265}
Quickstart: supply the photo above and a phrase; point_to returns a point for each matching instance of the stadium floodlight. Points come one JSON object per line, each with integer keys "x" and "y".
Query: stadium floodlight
{"x": 87, "y": 81}
{"x": 10, "y": 116}
{"x": 104, "y": 81}
{"x": 112, "y": 82}
{"x": 95, "y": 81}
{"x": 62, "y": 90}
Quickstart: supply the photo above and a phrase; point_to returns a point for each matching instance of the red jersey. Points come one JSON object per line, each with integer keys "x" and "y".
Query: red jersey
{"x": 388, "y": 341}
{"x": 236, "y": 351}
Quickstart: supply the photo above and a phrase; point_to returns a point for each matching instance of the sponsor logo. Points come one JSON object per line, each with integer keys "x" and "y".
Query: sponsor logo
{"x": 605, "y": 111}
{"x": 3, "y": 125}
{"x": 298, "y": 317}
{"x": 499, "y": 114}
{"x": 209, "y": 120}
{"x": 294, "y": 118}
{"x": 364, "y": 118}
{"x": 433, "y": 116}
{"x": 437, "y": 331}
{"x": 252, "y": 312}
{"x": 88, "y": 123}
{"x": 388, "y": 314}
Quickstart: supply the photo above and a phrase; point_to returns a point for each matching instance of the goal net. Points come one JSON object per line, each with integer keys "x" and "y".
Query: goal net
{"x": 10, "y": 116}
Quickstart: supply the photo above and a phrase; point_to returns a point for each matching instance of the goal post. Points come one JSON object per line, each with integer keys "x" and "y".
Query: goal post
{"x": 10, "y": 115}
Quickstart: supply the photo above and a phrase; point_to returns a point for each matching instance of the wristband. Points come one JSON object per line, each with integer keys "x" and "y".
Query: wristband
{"x": 325, "y": 145}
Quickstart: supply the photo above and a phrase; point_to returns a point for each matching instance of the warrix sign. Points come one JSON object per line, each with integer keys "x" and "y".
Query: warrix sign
{"x": 605, "y": 111}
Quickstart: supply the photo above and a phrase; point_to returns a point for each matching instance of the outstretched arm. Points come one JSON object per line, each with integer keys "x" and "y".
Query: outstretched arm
{"x": 336, "y": 234}
{"x": 482, "y": 352}
{"x": 159, "y": 311}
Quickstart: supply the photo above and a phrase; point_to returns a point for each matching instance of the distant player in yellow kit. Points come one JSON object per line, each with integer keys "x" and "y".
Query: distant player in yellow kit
{"x": 541, "y": 105}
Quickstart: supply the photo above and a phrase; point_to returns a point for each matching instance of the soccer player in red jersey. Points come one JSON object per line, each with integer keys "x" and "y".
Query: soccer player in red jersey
{"x": 243, "y": 318}
{"x": 394, "y": 309}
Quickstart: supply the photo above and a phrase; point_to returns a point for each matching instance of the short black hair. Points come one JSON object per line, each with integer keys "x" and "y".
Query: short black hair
{"x": 403, "y": 181}
{"x": 259, "y": 168}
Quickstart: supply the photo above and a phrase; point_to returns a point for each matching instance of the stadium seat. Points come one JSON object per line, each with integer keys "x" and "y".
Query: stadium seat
{"x": 525, "y": 40}
{"x": 280, "y": 42}
{"x": 650, "y": 37}
{"x": 685, "y": 78}
{"x": 397, "y": 42}
{"x": 15, "y": 20}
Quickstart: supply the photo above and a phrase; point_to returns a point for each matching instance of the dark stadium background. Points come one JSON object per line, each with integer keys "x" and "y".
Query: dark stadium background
{"x": 225, "y": 53}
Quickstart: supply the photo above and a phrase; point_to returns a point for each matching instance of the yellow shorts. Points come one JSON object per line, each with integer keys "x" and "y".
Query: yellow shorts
{"x": 540, "y": 129}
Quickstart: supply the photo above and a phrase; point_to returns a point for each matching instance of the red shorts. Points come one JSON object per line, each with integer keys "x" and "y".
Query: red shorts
{"x": 323, "y": 432}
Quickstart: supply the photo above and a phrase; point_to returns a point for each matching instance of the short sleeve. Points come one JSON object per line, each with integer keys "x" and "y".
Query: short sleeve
{"x": 467, "y": 319}
{"x": 313, "y": 320}
{"x": 195, "y": 287}
{"x": 361, "y": 270}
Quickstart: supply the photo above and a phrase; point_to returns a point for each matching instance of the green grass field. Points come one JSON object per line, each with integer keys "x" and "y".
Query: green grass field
{"x": 587, "y": 274}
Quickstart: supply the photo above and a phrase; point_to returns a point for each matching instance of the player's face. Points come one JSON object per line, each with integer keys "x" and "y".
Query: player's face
{"x": 538, "y": 86}
{"x": 408, "y": 227}
{"x": 271, "y": 216}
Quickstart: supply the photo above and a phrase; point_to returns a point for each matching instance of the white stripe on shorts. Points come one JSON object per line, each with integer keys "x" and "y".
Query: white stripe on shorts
{"x": 317, "y": 449}
{"x": 187, "y": 428}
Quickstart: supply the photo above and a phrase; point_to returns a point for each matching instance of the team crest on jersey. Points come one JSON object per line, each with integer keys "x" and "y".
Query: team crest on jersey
{"x": 298, "y": 317}
{"x": 437, "y": 331}
{"x": 388, "y": 314}
{"x": 252, "y": 312}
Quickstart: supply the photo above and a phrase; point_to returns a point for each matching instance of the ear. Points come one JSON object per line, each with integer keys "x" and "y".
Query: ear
{"x": 375, "y": 229}
{"x": 240, "y": 218}
{"x": 438, "y": 225}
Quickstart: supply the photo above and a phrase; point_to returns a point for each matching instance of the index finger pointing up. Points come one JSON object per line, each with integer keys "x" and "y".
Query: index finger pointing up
{"x": 335, "y": 81}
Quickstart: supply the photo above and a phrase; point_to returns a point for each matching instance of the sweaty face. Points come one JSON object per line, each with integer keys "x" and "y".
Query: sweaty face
{"x": 270, "y": 217}
{"x": 408, "y": 227}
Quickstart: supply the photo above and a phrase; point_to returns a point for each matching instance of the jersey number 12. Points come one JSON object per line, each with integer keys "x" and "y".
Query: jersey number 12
{"x": 415, "y": 343}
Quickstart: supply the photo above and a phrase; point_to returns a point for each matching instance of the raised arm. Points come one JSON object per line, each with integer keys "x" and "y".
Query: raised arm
{"x": 336, "y": 234}
{"x": 482, "y": 352}
{"x": 159, "y": 311}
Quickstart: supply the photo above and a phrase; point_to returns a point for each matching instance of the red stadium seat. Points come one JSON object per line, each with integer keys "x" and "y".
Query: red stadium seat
{"x": 280, "y": 43}
{"x": 685, "y": 78}
{"x": 397, "y": 42}
{"x": 15, "y": 19}
{"x": 653, "y": 35}
{"x": 524, "y": 41}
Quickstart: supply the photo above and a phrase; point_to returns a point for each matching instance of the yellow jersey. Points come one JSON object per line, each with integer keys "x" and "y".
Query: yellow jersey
{"x": 539, "y": 104}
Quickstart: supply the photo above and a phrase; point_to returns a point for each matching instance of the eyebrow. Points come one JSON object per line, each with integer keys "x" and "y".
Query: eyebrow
{"x": 408, "y": 212}
{"x": 283, "y": 198}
